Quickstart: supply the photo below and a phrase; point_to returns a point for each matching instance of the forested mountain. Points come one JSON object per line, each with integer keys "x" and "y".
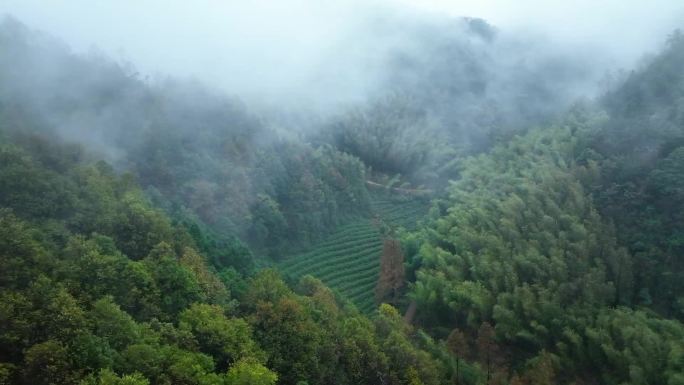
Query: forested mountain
{"x": 100, "y": 287}
{"x": 161, "y": 232}
{"x": 565, "y": 244}
{"x": 198, "y": 153}
{"x": 455, "y": 89}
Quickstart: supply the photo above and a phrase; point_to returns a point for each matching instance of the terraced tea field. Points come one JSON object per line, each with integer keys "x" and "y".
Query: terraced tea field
{"x": 349, "y": 259}
{"x": 400, "y": 213}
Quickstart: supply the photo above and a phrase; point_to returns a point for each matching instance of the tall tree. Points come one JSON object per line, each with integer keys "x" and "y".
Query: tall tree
{"x": 487, "y": 349}
{"x": 458, "y": 346}
{"x": 392, "y": 272}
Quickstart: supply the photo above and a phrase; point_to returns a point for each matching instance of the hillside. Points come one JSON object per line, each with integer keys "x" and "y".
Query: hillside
{"x": 349, "y": 260}
{"x": 478, "y": 215}
{"x": 104, "y": 288}
{"x": 562, "y": 247}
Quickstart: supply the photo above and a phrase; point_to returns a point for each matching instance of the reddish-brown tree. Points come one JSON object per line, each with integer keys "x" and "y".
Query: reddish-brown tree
{"x": 458, "y": 346}
{"x": 391, "y": 278}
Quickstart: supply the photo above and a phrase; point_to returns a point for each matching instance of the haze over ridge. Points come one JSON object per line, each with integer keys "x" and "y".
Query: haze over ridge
{"x": 298, "y": 49}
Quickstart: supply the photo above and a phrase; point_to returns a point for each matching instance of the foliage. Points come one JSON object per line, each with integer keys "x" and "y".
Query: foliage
{"x": 201, "y": 156}
{"x": 247, "y": 372}
{"x": 642, "y": 149}
{"x": 555, "y": 256}
{"x": 111, "y": 291}
{"x": 522, "y": 246}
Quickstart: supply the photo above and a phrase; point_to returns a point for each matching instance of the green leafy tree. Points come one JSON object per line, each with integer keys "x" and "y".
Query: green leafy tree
{"x": 225, "y": 339}
{"x": 107, "y": 377}
{"x": 48, "y": 363}
{"x": 250, "y": 372}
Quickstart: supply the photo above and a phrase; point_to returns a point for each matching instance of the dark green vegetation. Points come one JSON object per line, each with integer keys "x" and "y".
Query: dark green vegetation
{"x": 568, "y": 241}
{"x": 399, "y": 211}
{"x": 554, "y": 256}
{"x": 99, "y": 287}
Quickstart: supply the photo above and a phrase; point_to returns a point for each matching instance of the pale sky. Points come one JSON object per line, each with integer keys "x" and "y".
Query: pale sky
{"x": 272, "y": 46}
{"x": 636, "y": 21}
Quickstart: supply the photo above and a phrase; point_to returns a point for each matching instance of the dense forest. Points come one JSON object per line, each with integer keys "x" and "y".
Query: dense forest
{"x": 478, "y": 221}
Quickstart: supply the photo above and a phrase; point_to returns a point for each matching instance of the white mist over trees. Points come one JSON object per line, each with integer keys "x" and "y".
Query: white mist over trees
{"x": 298, "y": 50}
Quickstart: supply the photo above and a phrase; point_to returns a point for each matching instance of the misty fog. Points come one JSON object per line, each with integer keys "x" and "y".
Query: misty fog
{"x": 408, "y": 88}
{"x": 294, "y": 52}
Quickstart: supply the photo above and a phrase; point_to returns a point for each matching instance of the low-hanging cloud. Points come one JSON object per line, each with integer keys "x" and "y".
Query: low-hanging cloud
{"x": 321, "y": 53}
